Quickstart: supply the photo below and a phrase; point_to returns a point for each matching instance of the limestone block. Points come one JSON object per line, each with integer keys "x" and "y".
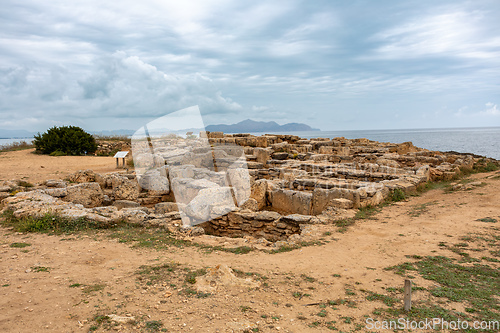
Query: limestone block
{"x": 82, "y": 176}
{"x": 86, "y": 194}
{"x": 321, "y": 198}
{"x": 125, "y": 204}
{"x": 124, "y": 189}
{"x": 290, "y": 201}
{"x": 57, "y": 192}
{"x": 165, "y": 207}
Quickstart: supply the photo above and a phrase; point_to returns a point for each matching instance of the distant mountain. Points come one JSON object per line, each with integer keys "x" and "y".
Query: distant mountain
{"x": 120, "y": 132}
{"x": 14, "y": 134}
{"x": 252, "y": 126}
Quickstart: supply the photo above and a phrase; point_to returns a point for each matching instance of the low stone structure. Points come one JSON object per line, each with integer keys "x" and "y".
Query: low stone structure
{"x": 293, "y": 182}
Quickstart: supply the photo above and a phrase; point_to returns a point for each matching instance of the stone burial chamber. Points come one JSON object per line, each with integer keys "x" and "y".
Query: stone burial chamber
{"x": 240, "y": 185}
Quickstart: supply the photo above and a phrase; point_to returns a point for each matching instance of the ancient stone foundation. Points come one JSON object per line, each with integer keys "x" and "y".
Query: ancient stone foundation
{"x": 293, "y": 182}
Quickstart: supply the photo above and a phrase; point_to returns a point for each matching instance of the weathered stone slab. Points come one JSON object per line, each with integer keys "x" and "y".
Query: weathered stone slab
{"x": 125, "y": 189}
{"x": 86, "y": 194}
{"x": 258, "y": 192}
{"x": 125, "y": 204}
{"x": 290, "y": 201}
{"x": 322, "y": 198}
{"x": 57, "y": 192}
{"x": 165, "y": 207}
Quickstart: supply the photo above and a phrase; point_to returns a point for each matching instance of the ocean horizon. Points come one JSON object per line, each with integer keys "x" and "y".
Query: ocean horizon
{"x": 475, "y": 140}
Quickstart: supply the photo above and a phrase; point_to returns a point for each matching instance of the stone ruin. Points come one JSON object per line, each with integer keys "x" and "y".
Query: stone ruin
{"x": 294, "y": 183}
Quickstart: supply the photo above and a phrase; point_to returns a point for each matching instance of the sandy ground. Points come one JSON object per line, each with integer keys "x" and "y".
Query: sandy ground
{"x": 57, "y": 301}
{"x": 25, "y": 165}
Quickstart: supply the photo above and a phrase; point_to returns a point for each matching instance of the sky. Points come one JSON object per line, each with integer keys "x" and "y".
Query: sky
{"x": 334, "y": 65}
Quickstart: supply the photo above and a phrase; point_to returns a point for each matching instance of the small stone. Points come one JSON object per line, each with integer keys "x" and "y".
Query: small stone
{"x": 125, "y": 204}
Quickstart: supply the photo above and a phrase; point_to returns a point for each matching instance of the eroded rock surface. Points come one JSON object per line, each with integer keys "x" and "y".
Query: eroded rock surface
{"x": 273, "y": 188}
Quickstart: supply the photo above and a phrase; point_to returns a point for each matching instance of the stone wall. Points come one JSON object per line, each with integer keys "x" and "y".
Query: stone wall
{"x": 266, "y": 224}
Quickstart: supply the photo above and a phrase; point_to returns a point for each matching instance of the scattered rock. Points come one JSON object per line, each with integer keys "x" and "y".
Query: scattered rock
{"x": 121, "y": 319}
{"x": 58, "y": 192}
{"x": 125, "y": 189}
{"x": 86, "y": 194}
{"x": 221, "y": 277}
{"x": 82, "y": 176}
{"x": 165, "y": 207}
{"x": 125, "y": 204}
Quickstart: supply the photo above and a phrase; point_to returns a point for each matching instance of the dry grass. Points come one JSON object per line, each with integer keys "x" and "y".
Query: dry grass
{"x": 16, "y": 146}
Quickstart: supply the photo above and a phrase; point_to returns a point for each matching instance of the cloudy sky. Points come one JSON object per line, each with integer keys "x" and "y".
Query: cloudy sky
{"x": 331, "y": 64}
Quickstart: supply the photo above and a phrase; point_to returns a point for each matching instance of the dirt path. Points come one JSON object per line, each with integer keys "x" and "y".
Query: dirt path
{"x": 106, "y": 271}
{"x": 25, "y": 165}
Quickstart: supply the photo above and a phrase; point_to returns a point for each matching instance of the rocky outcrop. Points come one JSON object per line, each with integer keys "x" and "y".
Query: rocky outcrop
{"x": 82, "y": 176}
{"x": 124, "y": 188}
{"x": 270, "y": 187}
{"x": 86, "y": 194}
{"x": 220, "y": 278}
{"x": 37, "y": 204}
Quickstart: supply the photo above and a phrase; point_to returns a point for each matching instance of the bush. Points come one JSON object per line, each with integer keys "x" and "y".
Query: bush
{"x": 65, "y": 140}
{"x": 397, "y": 195}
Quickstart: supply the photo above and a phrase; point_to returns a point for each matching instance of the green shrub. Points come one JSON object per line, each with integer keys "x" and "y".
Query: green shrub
{"x": 65, "y": 140}
{"x": 58, "y": 153}
{"x": 24, "y": 183}
{"x": 397, "y": 195}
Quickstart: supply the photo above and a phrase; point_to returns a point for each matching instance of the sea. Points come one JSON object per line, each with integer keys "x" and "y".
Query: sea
{"x": 484, "y": 141}
{"x": 9, "y": 141}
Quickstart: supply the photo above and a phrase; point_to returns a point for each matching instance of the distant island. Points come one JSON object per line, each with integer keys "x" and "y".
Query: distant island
{"x": 252, "y": 126}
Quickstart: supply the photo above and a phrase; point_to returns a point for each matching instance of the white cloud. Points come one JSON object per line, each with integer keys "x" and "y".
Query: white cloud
{"x": 115, "y": 86}
{"x": 457, "y": 33}
{"x": 491, "y": 110}
{"x": 259, "y": 108}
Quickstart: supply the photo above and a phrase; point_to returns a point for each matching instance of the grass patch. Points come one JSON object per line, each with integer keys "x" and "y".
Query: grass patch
{"x": 20, "y": 245}
{"x": 154, "y": 325}
{"x": 397, "y": 195}
{"x": 24, "y": 183}
{"x": 255, "y": 276}
{"x": 366, "y": 212}
{"x": 173, "y": 275}
{"x": 300, "y": 295}
{"x": 487, "y": 220}
{"x": 484, "y": 165}
{"x": 161, "y": 239}
{"x": 37, "y": 269}
{"x": 418, "y": 210}
{"x": 476, "y": 285}
{"x": 93, "y": 288}
{"x": 16, "y": 146}
{"x": 50, "y": 223}
{"x": 387, "y": 300}
{"x": 158, "y": 239}
{"x": 288, "y": 248}
{"x": 191, "y": 275}
{"x": 244, "y": 308}
{"x": 439, "y": 185}
{"x": 308, "y": 278}
{"x": 157, "y": 273}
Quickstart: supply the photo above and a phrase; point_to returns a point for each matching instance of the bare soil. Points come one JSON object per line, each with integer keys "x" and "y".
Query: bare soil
{"x": 25, "y": 165}
{"x": 70, "y": 283}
